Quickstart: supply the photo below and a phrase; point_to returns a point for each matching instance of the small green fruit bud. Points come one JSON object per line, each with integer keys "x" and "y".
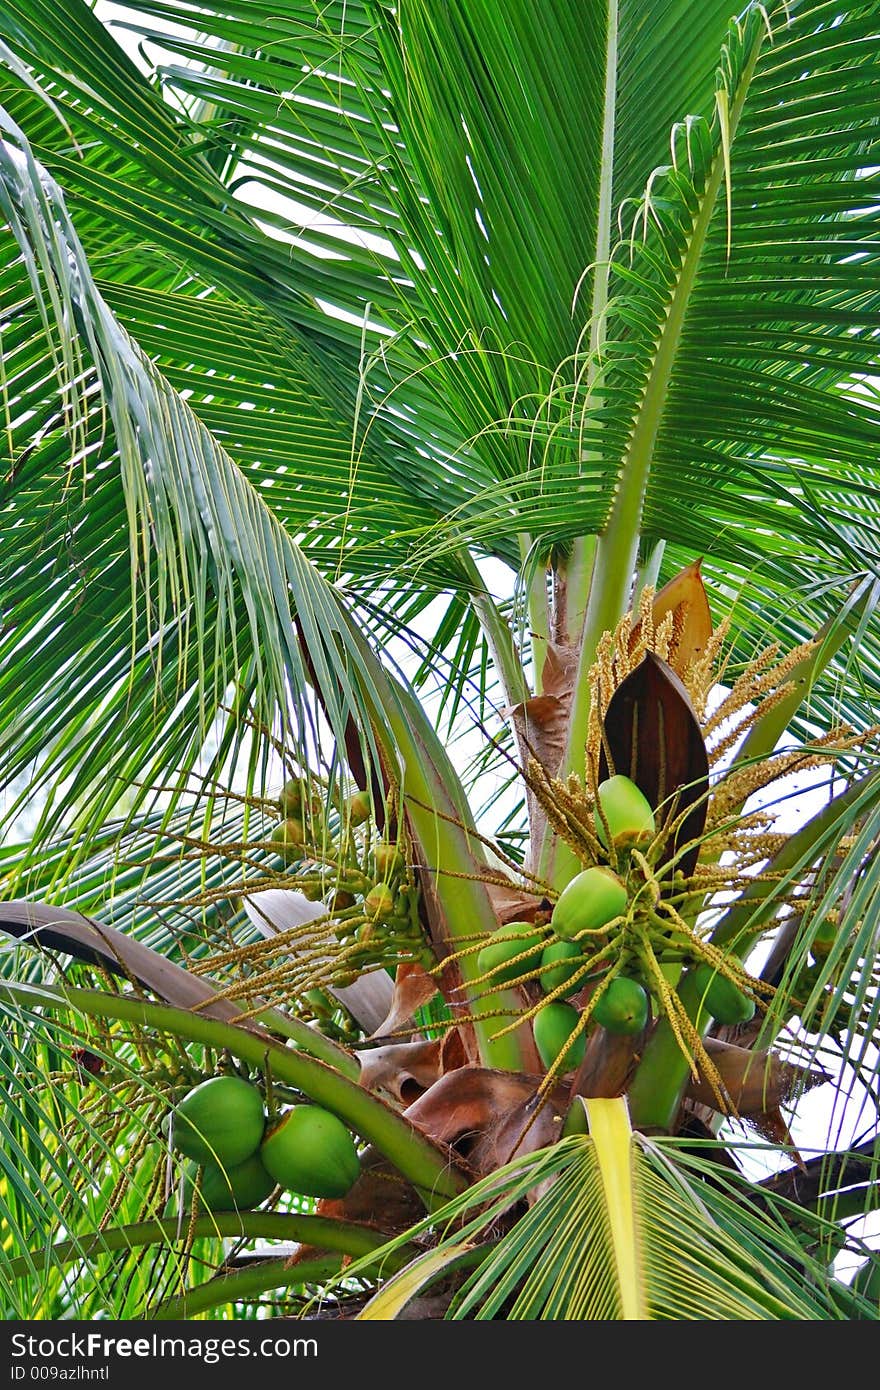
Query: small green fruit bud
{"x": 388, "y": 860}
{"x": 293, "y": 795}
{"x": 289, "y": 838}
{"x": 824, "y": 938}
{"x": 339, "y": 901}
{"x": 359, "y": 807}
{"x": 379, "y": 902}
{"x": 313, "y": 889}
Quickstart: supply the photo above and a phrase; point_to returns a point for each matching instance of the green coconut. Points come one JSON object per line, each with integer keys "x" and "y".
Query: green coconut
{"x": 239, "y": 1188}
{"x": 722, "y": 998}
{"x": 622, "y": 1007}
{"x": 310, "y": 1151}
{"x": 588, "y": 902}
{"x": 219, "y": 1121}
{"x": 360, "y": 807}
{"x": 289, "y": 837}
{"x": 388, "y": 860}
{"x": 627, "y": 812}
{"x": 507, "y": 942}
{"x": 560, "y": 963}
{"x": 553, "y": 1028}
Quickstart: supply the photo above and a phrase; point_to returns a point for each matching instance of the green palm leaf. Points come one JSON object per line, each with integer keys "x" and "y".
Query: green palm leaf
{"x": 183, "y": 495}
{"x": 634, "y": 1234}
{"x": 315, "y": 323}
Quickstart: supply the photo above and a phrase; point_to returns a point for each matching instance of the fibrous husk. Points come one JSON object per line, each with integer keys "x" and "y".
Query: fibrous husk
{"x": 490, "y": 1116}
{"x": 406, "y": 1070}
{"x": 380, "y": 1198}
{"x": 685, "y": 597}
{"x": 413, "y": 987}
{"x": 757, "y": 1083}
{"x": 542, "y": 721}
{"x": 513, "y": 904}
{"x": 608, "y": 1064}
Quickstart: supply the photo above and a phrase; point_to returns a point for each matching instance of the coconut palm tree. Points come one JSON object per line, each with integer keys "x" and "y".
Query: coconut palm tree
{"x": 439, "y": 551}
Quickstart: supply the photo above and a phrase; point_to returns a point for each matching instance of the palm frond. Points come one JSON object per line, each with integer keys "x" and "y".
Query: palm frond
{"x": 216, "y": 568}
{"x": 695, "y": 1248}
{"x": 306, "y": 315}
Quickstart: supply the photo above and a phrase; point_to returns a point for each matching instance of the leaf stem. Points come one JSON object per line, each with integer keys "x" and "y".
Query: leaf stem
{"x": 239, "y": 1284}
{"x": 415, "y": 1157}
{"x": 324, "y": 1232}
{"x": 499, "y": 637}
{"x": 617, "y": 545}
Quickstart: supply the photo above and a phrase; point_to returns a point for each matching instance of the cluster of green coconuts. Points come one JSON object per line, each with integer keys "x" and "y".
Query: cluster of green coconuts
{"x": 294, "y": 837}
{"x": 590, "y": 901}
{"x": 301, "y": 813}
{"x": 221, "y": 1126}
